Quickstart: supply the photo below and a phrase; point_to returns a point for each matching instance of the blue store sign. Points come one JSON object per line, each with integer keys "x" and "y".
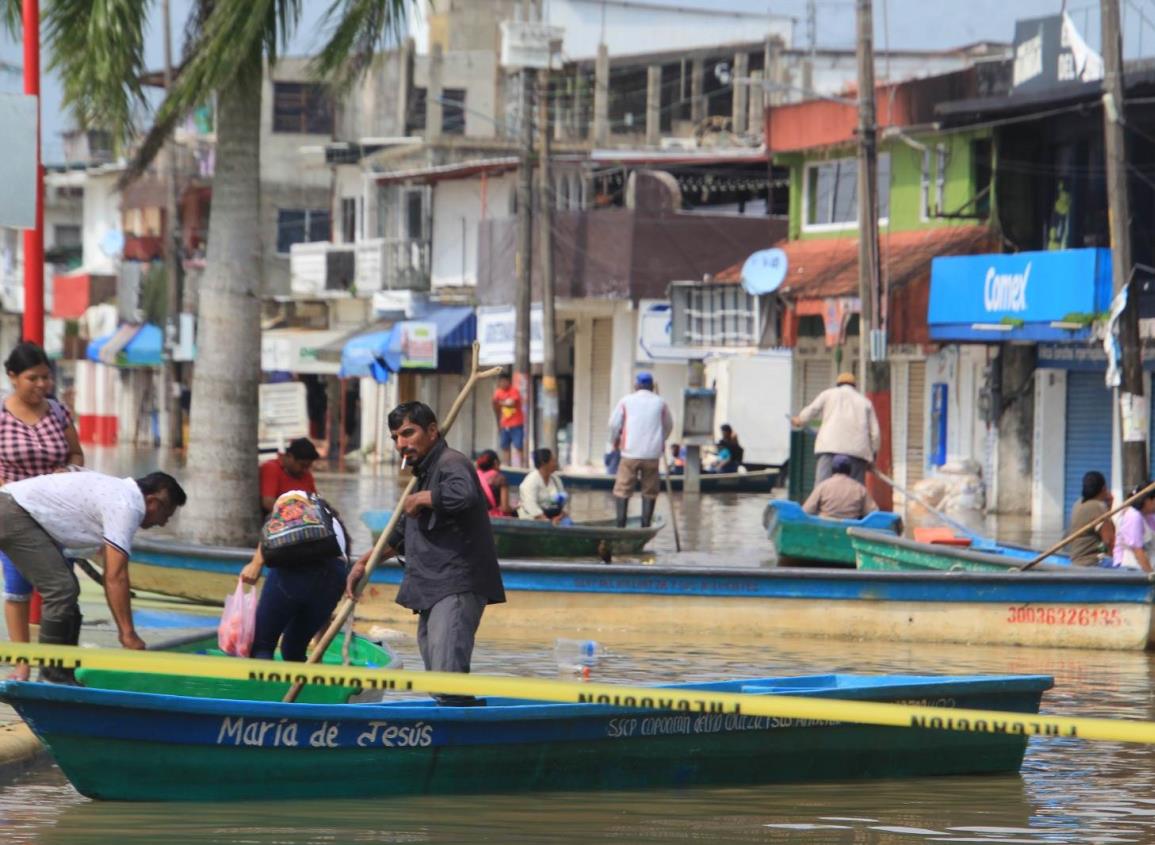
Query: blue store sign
{"x": 1039, "y": 296}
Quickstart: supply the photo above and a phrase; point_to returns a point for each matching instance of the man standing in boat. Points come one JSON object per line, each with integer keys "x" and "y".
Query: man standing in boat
{"x": 451, "y": 569}
{"x": 849, "y": 427}
{"x": 640, "y": 425}
{"x": 41, "y": 516}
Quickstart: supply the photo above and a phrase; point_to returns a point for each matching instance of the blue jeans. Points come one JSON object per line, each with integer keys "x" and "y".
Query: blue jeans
{"x": 295, "y": 604}
{"x": 512, "y": 436}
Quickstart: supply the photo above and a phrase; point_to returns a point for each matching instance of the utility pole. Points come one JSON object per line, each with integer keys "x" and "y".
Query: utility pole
{"x": 521, "y": 366}
{"x": 171, "y": 433}
{"x": 1131, "y": 403}
{"x": 545, "y": 192}
{"x": 33, "y": 321}
{"x": 872, "y": 375}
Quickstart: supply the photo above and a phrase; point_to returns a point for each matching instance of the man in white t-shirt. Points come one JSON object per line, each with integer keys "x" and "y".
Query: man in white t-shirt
{"x": 41, "y": 516}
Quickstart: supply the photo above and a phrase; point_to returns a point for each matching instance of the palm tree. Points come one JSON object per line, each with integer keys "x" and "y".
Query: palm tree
{"x": 97, "y": 47}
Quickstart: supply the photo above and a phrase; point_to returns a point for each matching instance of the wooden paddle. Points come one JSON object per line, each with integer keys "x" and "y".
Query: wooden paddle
{"x": 347, "y": 605}
{"x": 670, "y": 499}
{"x": 1088, "y": 527}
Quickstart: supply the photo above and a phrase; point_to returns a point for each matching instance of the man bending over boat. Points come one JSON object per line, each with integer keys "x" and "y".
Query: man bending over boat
{"x": 451, "y": 570}
{"x": 840, "y": 496}
{"x": 41, "y": 516}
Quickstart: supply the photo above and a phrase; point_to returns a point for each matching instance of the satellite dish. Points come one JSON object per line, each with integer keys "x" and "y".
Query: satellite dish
{"x": 112, "y": 244}
{"x": 764, "y": 271}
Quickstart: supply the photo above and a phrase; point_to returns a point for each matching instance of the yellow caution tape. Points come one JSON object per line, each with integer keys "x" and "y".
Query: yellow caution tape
{"x": 808, "y": 710}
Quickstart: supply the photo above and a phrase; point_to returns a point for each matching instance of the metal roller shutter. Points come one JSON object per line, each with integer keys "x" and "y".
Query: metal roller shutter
{"x": 1088, "y": 434}
{"x": 916, "y": 422}
{"x": 817, "y": 375}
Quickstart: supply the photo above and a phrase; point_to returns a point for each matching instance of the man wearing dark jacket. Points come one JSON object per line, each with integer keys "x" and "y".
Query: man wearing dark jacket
{"x": 451, "y": 570}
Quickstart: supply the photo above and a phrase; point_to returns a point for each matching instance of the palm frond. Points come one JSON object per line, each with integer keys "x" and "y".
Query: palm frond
{"x": 97, "y": 48}
{"x": 12, "y": 17}
{"x": 357, "y": 28}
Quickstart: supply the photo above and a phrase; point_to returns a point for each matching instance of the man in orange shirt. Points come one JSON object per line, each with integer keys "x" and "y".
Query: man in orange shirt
{"x": 510, "y": 420}
{"x": 288, "y": 471}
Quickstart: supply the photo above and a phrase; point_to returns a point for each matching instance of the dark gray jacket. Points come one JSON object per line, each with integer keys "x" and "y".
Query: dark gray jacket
{"x": 448, "y": 549}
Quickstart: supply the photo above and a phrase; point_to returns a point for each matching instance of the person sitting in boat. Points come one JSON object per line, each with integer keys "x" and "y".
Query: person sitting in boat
{"x": 290, "y": 470}
{"x": 730, "y": 451}
{"x": 306, "y": 576}
{"x": 1133, "y": 534}
{"x": 677, "y": 459}
{"x": 1094, "y": 546}
{"x": 494, "y": 484}
{"x": 840, "y": 496}
{"x": 542, "y": 495}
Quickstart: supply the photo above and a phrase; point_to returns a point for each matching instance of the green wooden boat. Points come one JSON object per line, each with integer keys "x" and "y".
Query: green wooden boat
{"x": 877, "y": 551}
{"x": 800, "y": 539}
{"x": 529, "y": 538}
{"x": 362, "y": 652}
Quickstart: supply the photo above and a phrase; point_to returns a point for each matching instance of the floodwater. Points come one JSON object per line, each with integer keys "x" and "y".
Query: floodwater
{"x": 1068, "y": 792}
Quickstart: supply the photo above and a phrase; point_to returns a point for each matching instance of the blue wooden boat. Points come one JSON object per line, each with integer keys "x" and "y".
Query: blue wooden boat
{"x": 751, "y": 481}
{"x": 139, "y": 747}
{"x": 800, "y": 539}
{"x": 1071, "y": 608}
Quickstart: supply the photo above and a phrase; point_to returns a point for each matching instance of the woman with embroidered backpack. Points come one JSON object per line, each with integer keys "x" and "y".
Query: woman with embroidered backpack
{"x": 37, "y": 437}
{"x": 306, "y": 549}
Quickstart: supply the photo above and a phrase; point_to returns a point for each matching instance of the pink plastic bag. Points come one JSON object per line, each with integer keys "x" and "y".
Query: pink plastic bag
{"x": 238, "y": 622}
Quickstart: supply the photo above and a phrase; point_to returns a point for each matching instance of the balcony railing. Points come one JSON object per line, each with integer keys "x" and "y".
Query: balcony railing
{"x": 392, "y": 264}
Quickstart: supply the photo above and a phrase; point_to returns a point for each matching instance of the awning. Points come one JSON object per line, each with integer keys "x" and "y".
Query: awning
{"x": 296, "y": 351}
{"x": 1024, "y": 296}
{"x": 131, "y": 345}
{"x": 375, "y": 354}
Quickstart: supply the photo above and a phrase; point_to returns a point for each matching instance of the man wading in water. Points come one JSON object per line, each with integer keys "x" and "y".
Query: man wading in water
{"x": 451, "y": 570}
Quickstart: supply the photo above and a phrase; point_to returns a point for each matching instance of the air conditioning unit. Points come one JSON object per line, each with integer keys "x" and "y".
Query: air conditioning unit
{"x": 679, "y": 144}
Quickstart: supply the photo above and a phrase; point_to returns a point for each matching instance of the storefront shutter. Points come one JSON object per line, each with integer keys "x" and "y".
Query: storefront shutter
{"x": 600, "y": 407}
{"x": 1088, "y": 434}
{"x": 817, "y": 375}
{"x": 916, "y": 422}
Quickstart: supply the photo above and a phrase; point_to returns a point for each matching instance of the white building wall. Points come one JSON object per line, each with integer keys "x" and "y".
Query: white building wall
{"x": 101, "y": 216}
{"x": 458, "y": 207}
{"x": 1049, "y": 451}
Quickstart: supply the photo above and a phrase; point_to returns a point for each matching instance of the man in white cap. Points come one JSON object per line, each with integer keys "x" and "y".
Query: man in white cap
{"x": 849, "y": 427}
{"x": 639, "y": 426}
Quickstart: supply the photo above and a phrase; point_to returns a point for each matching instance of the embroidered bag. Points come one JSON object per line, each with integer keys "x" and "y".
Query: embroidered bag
{"x": 300, "y": 531}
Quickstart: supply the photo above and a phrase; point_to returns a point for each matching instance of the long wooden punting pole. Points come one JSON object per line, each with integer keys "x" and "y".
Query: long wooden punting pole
{"x": 347, "y": 605}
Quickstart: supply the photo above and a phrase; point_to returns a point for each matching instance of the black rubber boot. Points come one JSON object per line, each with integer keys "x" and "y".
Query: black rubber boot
{"x": 623, "y": 508}
{"x": 59, "y": 632}
{"x": 648, "y": 511}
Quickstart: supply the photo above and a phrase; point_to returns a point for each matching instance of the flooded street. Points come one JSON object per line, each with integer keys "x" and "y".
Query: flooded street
{"x": 1069, "y": 791}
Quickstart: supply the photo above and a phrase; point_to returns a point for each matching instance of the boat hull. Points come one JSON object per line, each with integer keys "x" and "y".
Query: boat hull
{"x": 1099, "y": 609}
{"x": 753, "y": 481}
{"x": 133, "y": 747}
{"x": 877, "y": 551}
{"x": 801, "y": 539}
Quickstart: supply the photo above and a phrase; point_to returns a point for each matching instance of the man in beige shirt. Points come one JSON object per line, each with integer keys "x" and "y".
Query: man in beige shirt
{"x": 840, "y": 496}
{"x": 849, "y": 427}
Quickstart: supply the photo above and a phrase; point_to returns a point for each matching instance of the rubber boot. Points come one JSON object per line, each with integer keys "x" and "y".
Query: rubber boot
{"x": 59, "y": 632}
{"x": 648, "y": 511}
{"x": 623, "y": 507}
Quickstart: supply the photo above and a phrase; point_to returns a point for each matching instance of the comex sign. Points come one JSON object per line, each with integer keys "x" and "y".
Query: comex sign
{"x": 1006, "y": 291}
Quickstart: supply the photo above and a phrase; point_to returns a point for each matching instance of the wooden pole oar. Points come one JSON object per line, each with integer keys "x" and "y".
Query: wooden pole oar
{"x": 1088, "y": 527}
{"x": 670, "y": 499}
{"x": 347, "y": 605}
{"x": 953, "y": 523}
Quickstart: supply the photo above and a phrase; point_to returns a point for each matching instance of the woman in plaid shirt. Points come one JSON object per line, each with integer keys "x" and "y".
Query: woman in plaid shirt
{"x": 37, "y": 437}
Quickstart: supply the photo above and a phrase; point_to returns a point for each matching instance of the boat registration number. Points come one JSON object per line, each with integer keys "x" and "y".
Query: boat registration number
{"x": 1079, "y": 616}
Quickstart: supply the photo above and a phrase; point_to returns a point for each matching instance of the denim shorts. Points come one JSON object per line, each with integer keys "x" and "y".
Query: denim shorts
{"x": 16, "y": 586}
{"x": 513, "y": 436}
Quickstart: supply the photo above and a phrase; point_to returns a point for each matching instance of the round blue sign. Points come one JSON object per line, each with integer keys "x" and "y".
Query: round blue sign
{"x": 764, "y": 271}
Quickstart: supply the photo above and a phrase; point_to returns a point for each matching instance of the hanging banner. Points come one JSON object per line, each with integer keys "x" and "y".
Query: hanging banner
{"x": 418, "y": 345}
{"x": 497, "y": 333}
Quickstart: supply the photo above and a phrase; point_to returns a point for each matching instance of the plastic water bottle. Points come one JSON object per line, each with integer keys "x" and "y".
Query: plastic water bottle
{"x": 576, "y": 656}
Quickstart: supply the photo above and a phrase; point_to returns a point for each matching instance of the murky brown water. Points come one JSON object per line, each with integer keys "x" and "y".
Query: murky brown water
{"x": 1068, "y": 792}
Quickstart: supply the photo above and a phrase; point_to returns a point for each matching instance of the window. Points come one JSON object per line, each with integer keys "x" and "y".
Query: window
{"x": 453, "y": 111}
{"x": 301, "y": 225}
{"x": 831, "y": 193}
{"x": 348, "y": 219}
{"x": 940, "y": 178}
{"x": 981, "y": 167}
{"x": 924, "y": 212}
{"x": 384, "y": 195}
{"x": 415, "y": 119}
{"x": 415, "y": 215}
{"x": 714, "y": 315}
{"x": 64, "y": 236}
{"x": 302, "y": 107}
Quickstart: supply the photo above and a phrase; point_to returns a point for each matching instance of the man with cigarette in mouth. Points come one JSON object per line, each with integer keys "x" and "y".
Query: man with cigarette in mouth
{"x": 451, "y": 570}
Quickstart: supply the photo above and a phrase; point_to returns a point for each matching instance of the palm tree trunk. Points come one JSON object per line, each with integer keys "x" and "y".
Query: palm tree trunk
{"x": 222, "y": 455}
